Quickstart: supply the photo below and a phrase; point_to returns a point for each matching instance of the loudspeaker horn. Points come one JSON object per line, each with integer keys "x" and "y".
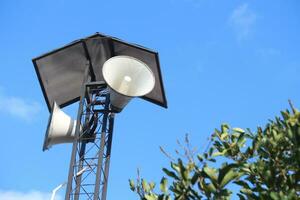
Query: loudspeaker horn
{"x": 60, "y": 129}
{"x": 127, "y": 77}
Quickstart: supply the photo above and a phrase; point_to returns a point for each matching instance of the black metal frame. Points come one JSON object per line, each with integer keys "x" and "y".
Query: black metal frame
{"x": 89, "y": 166}
{"x": 163, "y": 103}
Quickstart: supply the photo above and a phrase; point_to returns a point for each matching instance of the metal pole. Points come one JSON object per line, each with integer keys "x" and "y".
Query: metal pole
{"x": 88, "y": 176}
{"x": 81, "y": 162}
{"x": 89, "y": 168}
{"x": 77, "y": 132}
{"x": 101, "y": 153}
{"x": 78, "y": 177}
{"x": 108, "y": 152}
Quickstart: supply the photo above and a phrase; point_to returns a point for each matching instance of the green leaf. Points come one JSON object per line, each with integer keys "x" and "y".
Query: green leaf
{"x": 170, "y": 173}
{"x": 223, "y": 136}
{"x": 223, "y": 173}
{"x": 211, "y": 174}
{"x": 175, "y": 167}
{"x": 224, "y": 127}
{"x": 194, "y": 178}
{"x": 150, "y": 197}
{"x": 241, "y": 197}
{"x": 200, "y": 158}
{"x": 208, "y": 188}
{"x": 215, "y": 154}
{"x": 211, "y": 150}
{"x": 239, "y": 130}
{"x": 164, "y": 185}
{"x": 242, "y": 183}
{"x": 132, "y": 185}
{"x": 183, "y": 170}
{"x": 230, "y": 176}
{"x": 274, "y": 196}
{"x": 246, "y": 191}
{"x": 241, "y": 139}
{"x": 152, "y": 185}
{"x": 145, "y": 186}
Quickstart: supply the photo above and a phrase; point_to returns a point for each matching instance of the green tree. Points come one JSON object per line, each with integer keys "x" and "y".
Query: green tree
{"x": 264, "y": 165}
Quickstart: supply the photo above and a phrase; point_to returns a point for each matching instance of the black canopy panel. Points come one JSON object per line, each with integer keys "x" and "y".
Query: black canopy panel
{"x": 61, "y": 71}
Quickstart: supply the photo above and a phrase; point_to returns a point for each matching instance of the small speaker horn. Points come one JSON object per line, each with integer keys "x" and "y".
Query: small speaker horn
{"x": 60, "y": 129}
{"x": 127, "y": 77}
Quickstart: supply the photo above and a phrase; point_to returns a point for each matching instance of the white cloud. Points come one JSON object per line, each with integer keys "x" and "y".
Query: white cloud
{"x": 18, "y": 107}
{"x": 242, "y": 19}
{"x": 32, "y": 195}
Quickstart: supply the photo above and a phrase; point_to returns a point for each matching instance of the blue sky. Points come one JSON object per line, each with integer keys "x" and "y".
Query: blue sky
{"x": 222, "y": 61}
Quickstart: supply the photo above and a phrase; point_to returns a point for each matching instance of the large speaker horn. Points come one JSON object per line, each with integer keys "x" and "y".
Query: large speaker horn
{"x": 127, "y": 77}
{"x": 60, "y": 129}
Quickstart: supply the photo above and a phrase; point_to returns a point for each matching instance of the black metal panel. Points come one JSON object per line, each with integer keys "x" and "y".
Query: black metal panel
{"x": 61, "y": 74}
{"x": 100, "y": 51}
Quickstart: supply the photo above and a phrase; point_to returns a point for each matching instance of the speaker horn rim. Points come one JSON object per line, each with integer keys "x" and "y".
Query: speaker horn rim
{"x": 46, "y": 141}
{"x": 145, "y": 65}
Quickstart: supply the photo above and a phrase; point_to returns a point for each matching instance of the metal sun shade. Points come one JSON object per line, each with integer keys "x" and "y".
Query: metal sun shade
{"x": 61, "y": 71}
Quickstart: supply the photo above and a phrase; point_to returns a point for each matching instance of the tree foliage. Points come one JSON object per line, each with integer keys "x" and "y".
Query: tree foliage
{"x": 264, "y": 165}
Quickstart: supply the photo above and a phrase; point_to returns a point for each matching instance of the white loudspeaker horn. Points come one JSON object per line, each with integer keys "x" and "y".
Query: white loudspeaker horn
{"x": 127, "y": 77}
{"x": 61, "y": 128}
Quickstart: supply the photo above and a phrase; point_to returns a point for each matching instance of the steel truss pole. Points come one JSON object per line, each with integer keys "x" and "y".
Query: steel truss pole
{"x": 89, "y": 166}
{"x": 77, "y": 130}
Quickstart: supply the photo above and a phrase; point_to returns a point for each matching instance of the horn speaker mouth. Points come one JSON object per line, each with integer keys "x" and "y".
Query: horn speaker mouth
{"x": 127, "y": 77}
